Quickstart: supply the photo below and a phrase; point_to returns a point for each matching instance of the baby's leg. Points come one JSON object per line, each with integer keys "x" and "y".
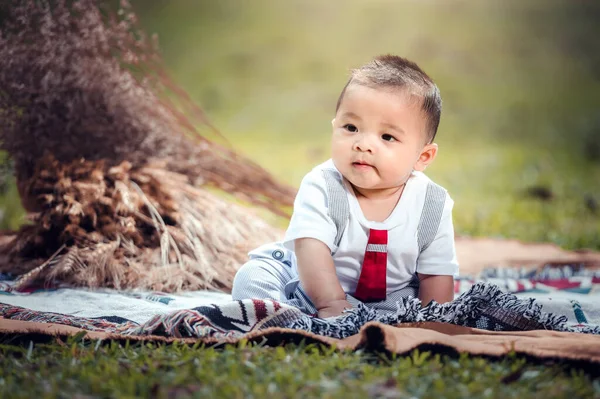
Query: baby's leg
{"x": 261, "y": 279}
{"x": 265, "y": 279}
{"x": 268, "y": 279}
{"x": 389, "y": 304}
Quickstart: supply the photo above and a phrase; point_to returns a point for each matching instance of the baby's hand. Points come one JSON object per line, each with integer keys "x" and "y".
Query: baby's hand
{"x": 333, "y": 309}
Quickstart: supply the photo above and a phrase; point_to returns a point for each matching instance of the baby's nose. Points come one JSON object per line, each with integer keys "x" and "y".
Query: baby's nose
{"x": 363, "y": 144}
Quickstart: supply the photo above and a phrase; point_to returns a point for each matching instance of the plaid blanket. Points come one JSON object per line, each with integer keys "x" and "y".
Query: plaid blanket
{"x": 558, "y": 299}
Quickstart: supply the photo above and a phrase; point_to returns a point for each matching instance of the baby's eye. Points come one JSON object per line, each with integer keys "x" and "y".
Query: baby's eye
{"x": 351, "y": 128}
{"x": 388, "y": 137}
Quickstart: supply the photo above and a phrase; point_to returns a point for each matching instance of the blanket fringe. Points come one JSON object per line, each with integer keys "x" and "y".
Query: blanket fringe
{"x": 483, "y": 304}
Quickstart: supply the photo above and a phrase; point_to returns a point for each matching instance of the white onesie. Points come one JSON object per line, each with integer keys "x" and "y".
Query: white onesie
{"x": 311, "y": 219}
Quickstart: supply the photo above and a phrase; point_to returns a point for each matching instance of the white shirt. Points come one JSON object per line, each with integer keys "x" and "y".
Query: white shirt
{"x": 310, "y": 220}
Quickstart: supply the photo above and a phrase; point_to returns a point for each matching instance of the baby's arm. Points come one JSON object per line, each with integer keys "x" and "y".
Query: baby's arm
{"x": 435, "y": 288}
{"x": 311, "y": 235}
{"x": 318, "y": 277}
{"x": 437, "y": 264}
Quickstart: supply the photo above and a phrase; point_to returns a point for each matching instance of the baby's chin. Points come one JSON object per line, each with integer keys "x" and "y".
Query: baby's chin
{"x": 363, "y": 185}
{"x": 371, "y": 185}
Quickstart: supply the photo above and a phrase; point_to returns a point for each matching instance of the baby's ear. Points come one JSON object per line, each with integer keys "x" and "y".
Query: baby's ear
{"x": 427, "y": 156}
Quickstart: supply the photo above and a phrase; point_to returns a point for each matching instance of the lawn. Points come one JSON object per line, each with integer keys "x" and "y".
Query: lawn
{"x": 519, "y": 153}
{"x": 82, "y": 368}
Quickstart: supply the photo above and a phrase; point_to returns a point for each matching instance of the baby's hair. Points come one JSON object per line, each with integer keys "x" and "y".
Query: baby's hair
{"x": 391, "y": 71}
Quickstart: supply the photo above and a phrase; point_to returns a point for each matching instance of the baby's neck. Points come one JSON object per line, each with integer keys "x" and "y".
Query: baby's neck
{"x": 378, "y": 205}
{"x": 380, "y": 194}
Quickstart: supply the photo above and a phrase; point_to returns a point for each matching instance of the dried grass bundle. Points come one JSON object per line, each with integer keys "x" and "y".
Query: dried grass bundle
{"x": 112, "y": 167}
{"x": 126, "y": 228}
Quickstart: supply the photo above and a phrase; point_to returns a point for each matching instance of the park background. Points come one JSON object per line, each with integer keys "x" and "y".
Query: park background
{"x": 520, "y": 131}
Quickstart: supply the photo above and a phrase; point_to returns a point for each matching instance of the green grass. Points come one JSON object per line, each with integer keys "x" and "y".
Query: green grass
{"x": 250, "y": 371}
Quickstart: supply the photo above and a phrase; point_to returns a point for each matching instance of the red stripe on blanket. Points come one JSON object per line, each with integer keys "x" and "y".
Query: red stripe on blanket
{"x": 260, "y": 309}
{"x": 561, "y": 284}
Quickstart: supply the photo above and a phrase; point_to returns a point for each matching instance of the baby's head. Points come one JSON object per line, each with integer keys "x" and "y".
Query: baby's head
{"x": 386, "y": 119}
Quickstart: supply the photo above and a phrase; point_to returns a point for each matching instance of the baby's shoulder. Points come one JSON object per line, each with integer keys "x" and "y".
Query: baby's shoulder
{"x": 426, "y": 193}
{"x": 325, "y": 166}
{"x": 320, "y": 173}
{"x": 421, "y": 182}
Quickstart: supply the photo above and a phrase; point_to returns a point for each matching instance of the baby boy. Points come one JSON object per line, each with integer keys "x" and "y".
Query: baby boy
{"x": 367, "y": 225}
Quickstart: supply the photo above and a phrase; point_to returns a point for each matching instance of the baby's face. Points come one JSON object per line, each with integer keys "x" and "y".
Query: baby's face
{"x": 378, "y": 137}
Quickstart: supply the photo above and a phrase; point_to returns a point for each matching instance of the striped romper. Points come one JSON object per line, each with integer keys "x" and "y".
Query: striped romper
{"x": 376, "y": 262}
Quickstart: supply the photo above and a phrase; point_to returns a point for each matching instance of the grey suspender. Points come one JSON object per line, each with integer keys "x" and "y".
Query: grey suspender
{"x": 435, "y": 198}
{"x": 338, "y": 209}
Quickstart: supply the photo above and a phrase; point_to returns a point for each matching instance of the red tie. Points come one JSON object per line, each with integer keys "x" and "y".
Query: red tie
{"x": 372, "y": 282}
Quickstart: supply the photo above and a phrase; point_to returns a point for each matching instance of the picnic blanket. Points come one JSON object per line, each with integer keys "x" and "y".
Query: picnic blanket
{"x": 499, "y": 303}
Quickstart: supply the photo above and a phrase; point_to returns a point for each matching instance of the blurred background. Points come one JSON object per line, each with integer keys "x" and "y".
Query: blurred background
{"x": 520, "y": 132}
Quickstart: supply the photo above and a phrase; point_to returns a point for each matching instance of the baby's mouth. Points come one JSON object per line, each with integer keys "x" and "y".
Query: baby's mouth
{"x": 361, "y": 165}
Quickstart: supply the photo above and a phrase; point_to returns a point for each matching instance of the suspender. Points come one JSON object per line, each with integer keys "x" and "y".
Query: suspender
{"x": 338, "y": 209}
{"x": 435, "y": 198}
